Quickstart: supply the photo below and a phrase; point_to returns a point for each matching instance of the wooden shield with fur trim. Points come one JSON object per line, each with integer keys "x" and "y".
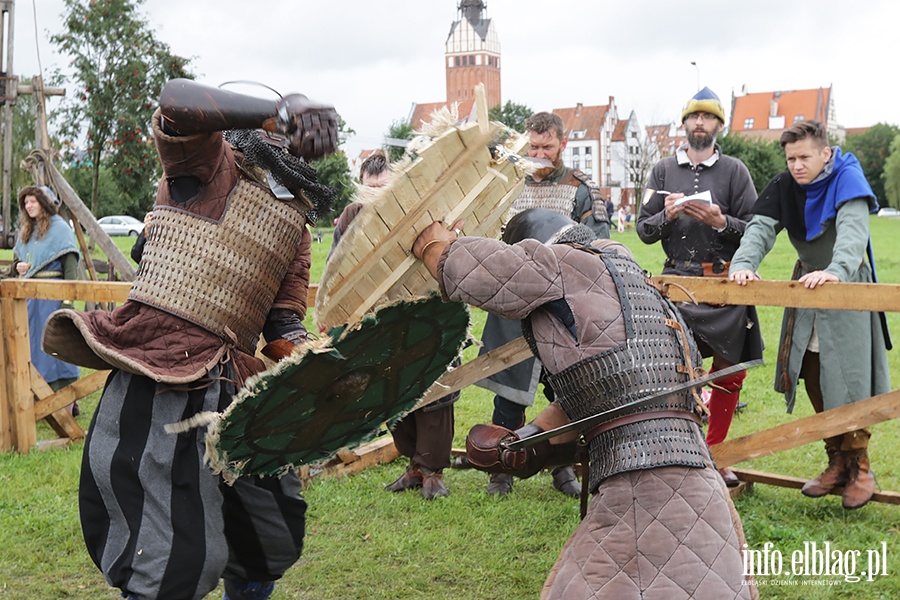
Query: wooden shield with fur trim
{"x": 338, "y": 394}
{"x": 464, "y": 173}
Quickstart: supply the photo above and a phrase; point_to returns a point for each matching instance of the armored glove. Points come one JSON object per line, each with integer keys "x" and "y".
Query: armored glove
{"x": 485, "y": 453}
{"x": 311, "y": 128}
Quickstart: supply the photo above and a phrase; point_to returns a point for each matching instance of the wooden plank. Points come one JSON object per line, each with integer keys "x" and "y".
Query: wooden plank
{"x": 487, "y": 364}
{"x": 93, "y": 291}
{"x": 18, "y": 373}
{"x": 814, "y": 428}
{"x": 797, "y": 483}
{"x": 847, "y": 296}
{"x": 7, "y": 431}
{"x": 50, "y": 403}
{"x": 379, "y": 451}
{"x": 59, "y": 420}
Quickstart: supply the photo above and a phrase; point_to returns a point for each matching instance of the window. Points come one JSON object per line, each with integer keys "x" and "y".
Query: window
{"x": 748, "y": 123}
{"x": 798, "y": 118}
{"x": 457, "y": 61}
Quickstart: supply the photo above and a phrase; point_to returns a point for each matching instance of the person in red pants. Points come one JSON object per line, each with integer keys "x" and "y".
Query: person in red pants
{"x": 699, "y": 237}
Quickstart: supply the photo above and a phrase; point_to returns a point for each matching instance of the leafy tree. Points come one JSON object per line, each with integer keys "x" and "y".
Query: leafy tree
{"x": 118, "y": 70}
{"x": 511, "y": 114}
{"x": 764, "y": 159}
{"x": 892, "y": 175}
{"x": 399, "y": 130}
{"x": 333, "y": 170}
{"x": 872, "y": 148}
{"x": 111, "y": 199}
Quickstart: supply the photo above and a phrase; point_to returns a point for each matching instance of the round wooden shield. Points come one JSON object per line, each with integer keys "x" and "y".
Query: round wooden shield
{"x": 454, "y": 177}
{"x": 339, "y": 394}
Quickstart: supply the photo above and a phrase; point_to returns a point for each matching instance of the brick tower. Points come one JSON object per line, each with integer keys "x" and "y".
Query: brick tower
{"x": 472, "y": 54}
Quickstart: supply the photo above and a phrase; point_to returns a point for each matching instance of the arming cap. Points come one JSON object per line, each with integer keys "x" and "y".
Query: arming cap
{"x": 704, "y": 101}
{"x": 546, "y": 226}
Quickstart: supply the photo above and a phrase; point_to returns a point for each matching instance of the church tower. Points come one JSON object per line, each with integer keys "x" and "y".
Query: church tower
{"x": 473, "y": 55}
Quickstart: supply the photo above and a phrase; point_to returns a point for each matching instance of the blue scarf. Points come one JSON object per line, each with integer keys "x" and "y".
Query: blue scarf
{"x": 59, "y": 241}
{"x": 825, "y": 195}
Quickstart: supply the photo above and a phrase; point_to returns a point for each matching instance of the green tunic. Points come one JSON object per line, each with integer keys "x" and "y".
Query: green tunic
{"x": 851, "y": 343}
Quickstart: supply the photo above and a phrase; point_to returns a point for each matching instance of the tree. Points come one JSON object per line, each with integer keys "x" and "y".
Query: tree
{"x": 118, "y": 70}
{"x": 399, "y": 130}
{"x": 872, "y": 148}
{"x": 511, "y": 114}
{"x": 333, "y": 171}
{"x": 764, "y": 159}
{"x": 892, "y": 175}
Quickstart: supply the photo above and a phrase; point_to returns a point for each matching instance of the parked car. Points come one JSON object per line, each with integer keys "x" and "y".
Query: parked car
{"x": 889, "y": 212}
{"x": 121, "y": 225}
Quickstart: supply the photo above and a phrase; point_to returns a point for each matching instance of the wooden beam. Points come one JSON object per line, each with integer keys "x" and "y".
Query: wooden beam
{"x": 487, "y": 364}
{"x": 18, "y": 375}
{"x": 814, "y": 428}
{"x": 7, "y": 390}
{"x": 378, "y": 451}
{"x": 879, "y": 297}
{"x": 797, "y": 483}
{"x": 92, "y": 291}
{"x": 50, "y": 403}
{"x": 60, "y": 420}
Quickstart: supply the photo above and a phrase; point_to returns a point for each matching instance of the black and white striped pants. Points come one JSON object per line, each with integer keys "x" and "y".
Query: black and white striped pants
{"x": 156, "y": 521}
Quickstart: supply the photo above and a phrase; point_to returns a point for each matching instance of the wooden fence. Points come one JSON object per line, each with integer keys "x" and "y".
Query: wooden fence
{"x": 25, "y": 398}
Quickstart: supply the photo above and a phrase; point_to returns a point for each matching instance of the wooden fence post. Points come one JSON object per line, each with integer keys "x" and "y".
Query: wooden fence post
{"x": 19, "y": 397}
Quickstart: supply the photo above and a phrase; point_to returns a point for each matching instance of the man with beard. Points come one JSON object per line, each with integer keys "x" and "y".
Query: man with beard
{"x": 699, "y": 239}
{"x": 572, "y": 194}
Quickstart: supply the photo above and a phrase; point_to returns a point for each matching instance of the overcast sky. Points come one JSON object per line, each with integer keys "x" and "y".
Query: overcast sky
{"x": 371, "y": 60}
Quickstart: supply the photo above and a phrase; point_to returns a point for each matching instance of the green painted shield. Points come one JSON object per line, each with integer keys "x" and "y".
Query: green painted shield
{"x": 307, "y": 408}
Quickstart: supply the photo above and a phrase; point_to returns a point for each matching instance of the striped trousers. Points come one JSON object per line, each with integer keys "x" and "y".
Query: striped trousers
{"x": 155, "y": 520}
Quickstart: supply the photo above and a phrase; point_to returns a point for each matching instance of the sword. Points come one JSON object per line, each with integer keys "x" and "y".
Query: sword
{"x": 611, "y": 414}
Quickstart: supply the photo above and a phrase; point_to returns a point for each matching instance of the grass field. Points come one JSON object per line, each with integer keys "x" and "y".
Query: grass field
{"x": 363, "y": 542}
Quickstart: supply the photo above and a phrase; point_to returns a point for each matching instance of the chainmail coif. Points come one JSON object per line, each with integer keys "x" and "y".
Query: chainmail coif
{"x": 288, "y": 170}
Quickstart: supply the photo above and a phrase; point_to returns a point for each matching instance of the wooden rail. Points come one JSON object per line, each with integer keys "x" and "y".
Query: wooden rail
{"x": 26, "y": 398}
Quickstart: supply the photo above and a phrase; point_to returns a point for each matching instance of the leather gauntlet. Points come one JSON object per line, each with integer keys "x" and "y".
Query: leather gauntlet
{"x": 485, "y": 453}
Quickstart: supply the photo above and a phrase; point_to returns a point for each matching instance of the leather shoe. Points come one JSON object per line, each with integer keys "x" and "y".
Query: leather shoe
{"x": 433, "y": 484}
{"x": 410, "y": 479}
{"x": 500, "y": 484}
{"x": 730, "y": 478}
{"x": 565, "y": 481}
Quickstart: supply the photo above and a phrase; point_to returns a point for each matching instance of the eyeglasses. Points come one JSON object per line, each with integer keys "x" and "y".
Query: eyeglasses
{"x": 701, "y": 115}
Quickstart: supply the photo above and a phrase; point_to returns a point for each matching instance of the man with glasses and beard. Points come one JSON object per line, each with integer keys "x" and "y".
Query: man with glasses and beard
{"x": 699, "y": 239}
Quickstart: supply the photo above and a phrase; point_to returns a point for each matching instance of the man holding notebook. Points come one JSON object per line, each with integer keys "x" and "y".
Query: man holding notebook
{"x": 697, "y": 203}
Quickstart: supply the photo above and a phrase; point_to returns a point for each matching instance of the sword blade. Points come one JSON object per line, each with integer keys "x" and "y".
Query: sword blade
{"x": 593, "y": 420}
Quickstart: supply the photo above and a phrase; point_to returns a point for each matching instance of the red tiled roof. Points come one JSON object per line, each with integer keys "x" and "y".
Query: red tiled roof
{"x": 583, "y": 118}
{"x": 619, "y": 133}
{"x": 792, "y": 105}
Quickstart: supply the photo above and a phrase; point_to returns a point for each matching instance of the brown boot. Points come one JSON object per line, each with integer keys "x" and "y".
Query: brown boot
{"x": 412, "y": 478}
{"x": 836, "y": 474}
{"x": 433, "y": 484}
{"x": 861, "y": 481}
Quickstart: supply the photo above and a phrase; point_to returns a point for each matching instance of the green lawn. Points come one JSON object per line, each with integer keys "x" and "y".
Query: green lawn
{"x": 363, "y": 542}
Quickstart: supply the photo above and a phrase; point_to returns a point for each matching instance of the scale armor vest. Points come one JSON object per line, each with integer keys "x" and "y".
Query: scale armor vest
{"x": 652, "y": 359}
{"x": 559, "y": 197}
{"x": 222, "y": 276}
